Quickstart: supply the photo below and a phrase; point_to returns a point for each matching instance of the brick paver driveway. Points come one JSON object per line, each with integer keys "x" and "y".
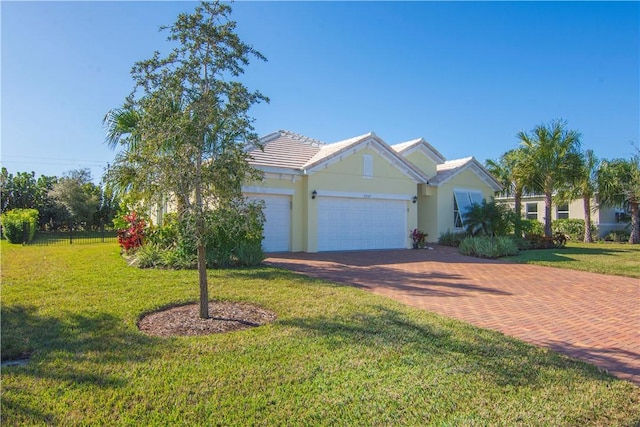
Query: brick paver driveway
{"x": 589, "y": 316}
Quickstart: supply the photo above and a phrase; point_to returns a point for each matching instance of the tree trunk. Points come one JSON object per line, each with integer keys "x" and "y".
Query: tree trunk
{"x": 634, "y": 237}
{"x": 547, "y": 214}
{"x": 517, "y": 228}
{"x": 204, "y": 286}
{"x": 588, "y": 238}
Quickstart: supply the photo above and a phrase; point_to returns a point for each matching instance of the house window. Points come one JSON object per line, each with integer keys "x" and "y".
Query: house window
{"x": 562, "y": 211}
{"x": 532, "y": 211}
{"x": 462, "y": 201}
{"x": 367, "y": 166}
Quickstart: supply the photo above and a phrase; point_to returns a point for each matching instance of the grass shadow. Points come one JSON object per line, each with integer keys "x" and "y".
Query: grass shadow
{"x": 464, "y": 349}
{"x": 72, "y": 349}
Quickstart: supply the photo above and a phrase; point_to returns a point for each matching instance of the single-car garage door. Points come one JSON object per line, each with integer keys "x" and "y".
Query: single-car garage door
{"x": 277, "y": 226}
{"x": 353, "y": 224}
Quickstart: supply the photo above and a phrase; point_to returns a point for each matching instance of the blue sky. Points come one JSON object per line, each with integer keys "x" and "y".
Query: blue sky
{"x": 466, "y": 76}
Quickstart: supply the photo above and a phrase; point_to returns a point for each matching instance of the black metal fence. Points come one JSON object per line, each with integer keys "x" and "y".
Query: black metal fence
{"x": 69, "y": 236}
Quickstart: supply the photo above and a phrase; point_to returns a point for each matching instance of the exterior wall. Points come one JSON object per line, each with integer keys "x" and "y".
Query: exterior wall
{"x": 345, "y": 178}
{"x": 428, "y": 211}
{"x": 604, "y": 218}
{"x": 466, "y": 180}
{"x": 424, "y": 163}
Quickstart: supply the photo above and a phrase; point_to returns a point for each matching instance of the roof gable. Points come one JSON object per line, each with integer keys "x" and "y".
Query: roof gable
{"x": 449, "y": 169}
{"x": 421, "y": 145}
{"x": 332, "y": 153}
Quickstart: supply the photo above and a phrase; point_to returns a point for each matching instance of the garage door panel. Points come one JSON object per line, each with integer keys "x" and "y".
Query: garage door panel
{"x": 277, "y": 226}
{"x": 351, "y": 224}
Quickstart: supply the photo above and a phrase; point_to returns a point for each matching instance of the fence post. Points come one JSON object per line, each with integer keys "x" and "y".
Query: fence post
{"x": 71, "y": 233}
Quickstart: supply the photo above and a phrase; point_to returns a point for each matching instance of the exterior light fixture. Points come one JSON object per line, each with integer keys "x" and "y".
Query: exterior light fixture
{"x": 314, "y": 193}
{"x": 415, "y": 199}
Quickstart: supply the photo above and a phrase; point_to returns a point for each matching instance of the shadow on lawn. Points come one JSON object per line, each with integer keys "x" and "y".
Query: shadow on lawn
{"x": 564, "y": 254}
{"x": 73, "y": 350}
{"x": 451, "y": 349}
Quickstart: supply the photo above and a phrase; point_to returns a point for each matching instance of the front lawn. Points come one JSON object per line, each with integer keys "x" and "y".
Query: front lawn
{"x": 607, "y": 258}
{"x": 335, "y": 355}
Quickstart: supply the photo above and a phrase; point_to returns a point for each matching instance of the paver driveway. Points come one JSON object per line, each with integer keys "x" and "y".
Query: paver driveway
{"x": 589, "y": 316}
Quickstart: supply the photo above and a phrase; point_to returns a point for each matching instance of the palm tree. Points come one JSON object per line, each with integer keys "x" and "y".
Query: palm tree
{"x": 619, "y": 185}
{"x": 488, "y": 218}
{"x": 585, "y": 187}
{"x": 554, "y": 153}
{"x": 514, "y": 174}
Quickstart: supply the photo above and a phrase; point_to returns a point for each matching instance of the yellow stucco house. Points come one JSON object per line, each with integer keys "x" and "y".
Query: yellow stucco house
{"x": 360, "y": 193}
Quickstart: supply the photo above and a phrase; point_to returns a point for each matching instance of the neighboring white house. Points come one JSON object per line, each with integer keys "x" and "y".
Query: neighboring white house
{"x": 606, "y": 219}
{"x": 360, "y": 193}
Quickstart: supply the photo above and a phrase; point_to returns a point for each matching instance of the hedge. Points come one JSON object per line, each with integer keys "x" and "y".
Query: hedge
{"x": 14, "y": 221}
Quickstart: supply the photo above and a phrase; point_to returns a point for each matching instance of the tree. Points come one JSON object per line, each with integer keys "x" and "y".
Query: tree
{"x": 553, "y": 152}
{"x": 489, "y": 218}
{"x": 584, "y": 186}
{"x": 78, "y": 195}
{"x": 19, "y": 191}
{"x": 190, "y": 124}
{"x": 619, "y": 185}
{"x": 516, "y": 177}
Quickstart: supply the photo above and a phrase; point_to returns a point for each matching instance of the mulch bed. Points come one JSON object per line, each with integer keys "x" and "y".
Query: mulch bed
{"x": 185, "y": 320}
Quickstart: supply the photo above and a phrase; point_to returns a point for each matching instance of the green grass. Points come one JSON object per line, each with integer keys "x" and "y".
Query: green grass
{"x": 336, "y": 355}
{"x": 607, "y": 258}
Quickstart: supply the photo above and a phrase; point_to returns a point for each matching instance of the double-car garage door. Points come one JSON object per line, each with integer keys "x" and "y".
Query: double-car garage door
{"x": 343, "y": 223}
{"x": 352, "y": 224}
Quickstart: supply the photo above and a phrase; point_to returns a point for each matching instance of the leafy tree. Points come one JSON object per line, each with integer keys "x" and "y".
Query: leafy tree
{"x": 489, "y": 218}
{"x": 190, "y": 124}
{"x": 619, "y": 185}
{"x": 584, "y": 186}
{"x": 78, "y": 195}
{"x": 516, "y": 176}
{"x": 19, "y": 191}
{"x": 553, "y": 152}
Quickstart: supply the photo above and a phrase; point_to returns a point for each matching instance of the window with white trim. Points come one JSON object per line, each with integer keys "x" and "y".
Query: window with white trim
{"x": 367, "y": 166}
{"x": 462, "y": 201}
{"x": 562, "y": 211}
{"x": 531, "y": 211}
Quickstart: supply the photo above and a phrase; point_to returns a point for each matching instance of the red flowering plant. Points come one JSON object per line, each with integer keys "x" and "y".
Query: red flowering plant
{"x": 132, "y": 237}
{"x": 418, "y": 237}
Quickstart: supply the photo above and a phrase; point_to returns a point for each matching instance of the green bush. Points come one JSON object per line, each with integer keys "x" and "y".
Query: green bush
{"x": 573, "y": 228}
{"x": 488, "y": 247}
{"x": 234, "y": 237}
{"x": 14, "y": 223}
{"x": 451, "y": 238}
{"x": 617, "y": 236}
{"x": 531, "y": 226}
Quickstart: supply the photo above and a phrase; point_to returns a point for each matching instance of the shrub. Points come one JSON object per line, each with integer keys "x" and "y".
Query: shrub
{"x": 249, "y": 254}
{"x": 617, "y": 236}
{"x": 132, "y": 237}
{"x": 14, "y": 223}
{"x": 540, "y": 241}
{"x": 571, "y": 227}
{"x": 488, "y": 247}
{"x": 450, "y": 238}
{"x": 532, "y": 227}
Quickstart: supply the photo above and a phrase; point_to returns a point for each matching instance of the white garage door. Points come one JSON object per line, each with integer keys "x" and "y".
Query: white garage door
{"x": 277, "y": 226}
{"x": 352, "y": 224}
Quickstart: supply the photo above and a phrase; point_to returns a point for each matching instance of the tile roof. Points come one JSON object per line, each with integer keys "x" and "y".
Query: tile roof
{"x": 404, "y": 146}
{"x": 448, "y": 169}
{"x": 327, "y": 150}
{"x": 285, "y": 149}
